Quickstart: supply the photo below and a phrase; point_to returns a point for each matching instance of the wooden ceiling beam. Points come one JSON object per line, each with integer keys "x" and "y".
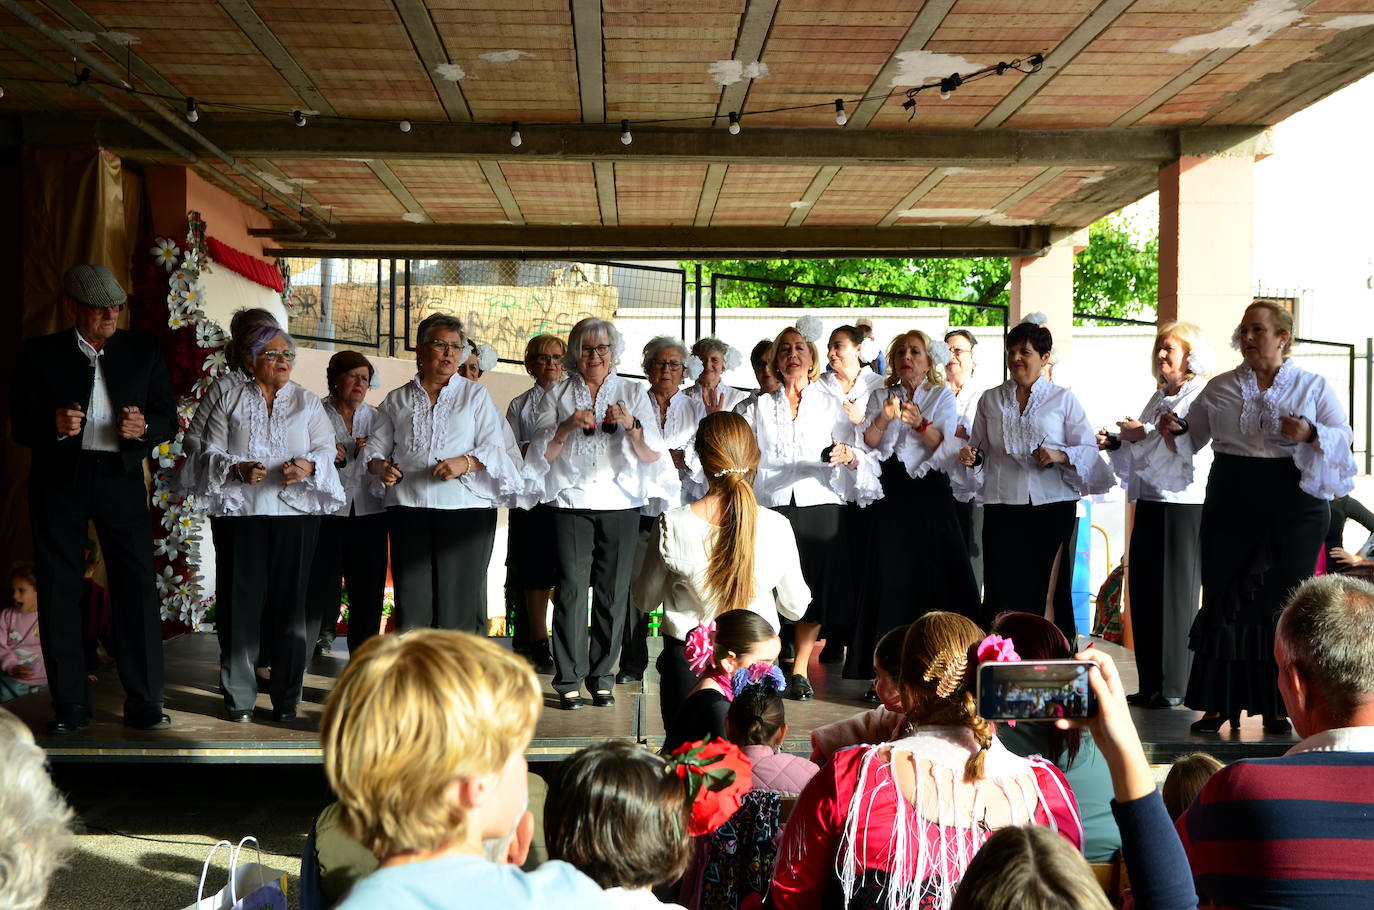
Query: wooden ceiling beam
{"x": 121, "y": 56}
{"x": 823, "y": 178}
{"x": 932, "y": 13}
{"x": 753, "y": 34}
{"x": 591, "y": 66}
{"x": 265, "y": 40}
{"x": 431, "y": 51}
{"x": 658, "y": 242}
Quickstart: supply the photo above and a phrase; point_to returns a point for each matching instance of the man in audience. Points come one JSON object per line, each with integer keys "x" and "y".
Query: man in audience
{"x": 1298, "y": 831}
{"x": 424, "y": 743}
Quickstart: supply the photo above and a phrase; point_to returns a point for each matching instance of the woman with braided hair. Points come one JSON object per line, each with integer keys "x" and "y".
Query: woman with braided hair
{"x": 895, "y": 825}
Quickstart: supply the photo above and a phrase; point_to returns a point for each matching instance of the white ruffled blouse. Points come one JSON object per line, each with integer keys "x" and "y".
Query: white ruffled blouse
{"x": 937, "y": 405}
{"x": 1135, "y": 462}
{"x": 417, "y": 435}
{"x": 238, "y": 428}
{"x": 865, "y": 384}
{"x": 520, "y": 413}
{"x": 679, "y": 431}
{"x": 733, "y": 396}
{"x": 363, "y": 498}
{"x": 598, "y": 470}
{"x": 1239, "y": 418}
{"x": 1007, "y": 436}
{"x": 790, "y": 467}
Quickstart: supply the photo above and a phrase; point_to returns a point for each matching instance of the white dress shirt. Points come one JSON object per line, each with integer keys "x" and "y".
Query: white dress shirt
{"x": 790, "y": 468}
{"x": 598, "y": 471}
{"x": 238, "y": 428}
{"x": 1132, "y": 460}
{"x": 936, "y": 403}
{"x": 1008, "y": 436}
{"x": 417, "y": 435}
{"x": 865, "y": 384}
{"x": 675, "y": 566}
{"x": 101, "y": 433}
{"x": 357, "y": 483}
{"x": 1239, "y": 419}
{"x": 732, "y": 396}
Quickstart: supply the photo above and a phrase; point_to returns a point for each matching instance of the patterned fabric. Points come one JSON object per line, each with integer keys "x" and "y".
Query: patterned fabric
{"x": 739, "y": 855}
{"x": 1107, "y": 624}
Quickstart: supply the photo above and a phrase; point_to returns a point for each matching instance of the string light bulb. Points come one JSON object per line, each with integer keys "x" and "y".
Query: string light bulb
{"x": 405, "y": 126}
{"x": 734, "y": 124}
{"x": 192, "y": 115}
{"x": 949, "y": 84}
{"x": 2, "y": 91}
{"x": 840, "y": 116}
{"x": 625, "y": 137}
{"x": 515, "y": 137}
{"x": 298, "y": 117}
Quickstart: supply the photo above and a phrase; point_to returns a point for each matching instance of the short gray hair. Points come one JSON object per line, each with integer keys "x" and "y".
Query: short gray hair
{"x": 658, "y": 343}
{"x": 710, "y": 344}
{"x": 433, "y": 323}
{"x": 1324, "y": 629}
{"x": 35, "y": 821}
{"x": 592, "y": 326}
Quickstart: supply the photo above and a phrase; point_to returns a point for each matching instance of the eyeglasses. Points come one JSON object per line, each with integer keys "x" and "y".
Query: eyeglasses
{"x": 444, "y": 347}
{"x": 547, "y": 359}
{"x": 665, "y": 364}
{"x": 278, "y": 356}
{"x": 960, "y": 352}
{"x": 600, "y": 350}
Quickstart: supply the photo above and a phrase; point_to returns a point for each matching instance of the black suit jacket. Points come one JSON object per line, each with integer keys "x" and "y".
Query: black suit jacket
{"x": 51, "y": 372}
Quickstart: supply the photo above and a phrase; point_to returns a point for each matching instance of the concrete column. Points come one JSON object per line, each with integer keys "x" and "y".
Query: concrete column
{"x": 1206, "y": 207}
{"x": 1045, "y": 284}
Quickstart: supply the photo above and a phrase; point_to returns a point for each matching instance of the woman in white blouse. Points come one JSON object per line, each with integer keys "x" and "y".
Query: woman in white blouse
{"x": 530, "y": 549}
{"x": 959, "y": 376}
{"x": 807, "y": 472}
{"x": 442, "y": 452}
{"x": 352, "y": 542}
{"x": 1281, "y": 451}
{"x": 268, "y": 472}
{"x": 1036, "y": 455}
{"x": 711, "y": 359}
{"x": 722, "y": 552}
{"x": 1165, "y": 573}
{"x": 597, "y": 457}
{"x": 909, "y": 429}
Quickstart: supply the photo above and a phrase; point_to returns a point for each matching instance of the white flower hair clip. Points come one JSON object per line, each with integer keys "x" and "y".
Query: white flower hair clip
{"x": 486, "y": 357}
{"x": 733, "y": 358}
{"x": 868, "y": 351}
{"x": 1036, "y": 318}
{"x": 693, "y": 367}
{"x": 1235, "y": 339}
{"x": 938, "y": 352}
{"x": 810, "y": 328}
{"x": 1201, "y": 360}
{"x": 375, "y": 382}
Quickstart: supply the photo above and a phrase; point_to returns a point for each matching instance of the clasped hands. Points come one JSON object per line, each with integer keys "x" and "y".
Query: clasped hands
{"x": 896, "y": 409}
{"x": 254, "y": 472}
{"x": 132, "y": 424}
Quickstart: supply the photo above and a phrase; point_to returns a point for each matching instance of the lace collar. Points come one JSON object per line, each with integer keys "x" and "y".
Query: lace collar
{"x": 267, "y": 432}
{"x": 1021, "y": 434}
{"x": 1162, "y": 402}
{"x": 362, "y": 419}
{"x": 863, "y": 384}
{"x": 429, "y": 424}
{"x": 786, "y": 439}
{"x": 597, "y": 442}
{"x": 1259, "y": 409}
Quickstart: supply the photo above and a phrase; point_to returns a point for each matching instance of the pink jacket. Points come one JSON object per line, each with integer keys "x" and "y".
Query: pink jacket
{"x": 19, "y": 646}
{"x": 779, "y": 771}
{"x": 877, "y": 726}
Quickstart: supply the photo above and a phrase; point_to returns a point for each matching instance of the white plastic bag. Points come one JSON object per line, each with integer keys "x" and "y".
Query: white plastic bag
{"x": 251, "y": 886}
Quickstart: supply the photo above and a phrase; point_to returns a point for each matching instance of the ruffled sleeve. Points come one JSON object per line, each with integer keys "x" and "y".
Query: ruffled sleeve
{"x": 503, "y": 480}
{"x": 645, "y": 480}
{"x": 1173, "y": 470}
{"x": 919, "y": 460}
{"x": 320, "y": 493}
{"x": 967, "y": 482}
{"x": 1087, "y": 471}
{"x": 195, "y": 467}
{"x": 1327, "y": 463}
{"x": 541, "y": 476}
{"x": 220, "y": 493}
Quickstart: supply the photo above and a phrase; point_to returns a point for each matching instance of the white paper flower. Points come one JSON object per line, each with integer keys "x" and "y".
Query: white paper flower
{"x": 1235, "y": 339}
{"x": 168, "y": 547}
{"x": 215, "y": 363}
{"x": 169, "y": 610}
{"x": 163, "y": 498}
{"x": 186, "y": 409}
{"x": 868, "y": 350}
{"x": 1201, "y": 360}
{"x": 486, "y": 357}
{"x": 176, "y": 321}
{"x": 181, "y": 279}
{"x": 167, "y": 454}
{"x": 733, "y": 358}
{"x": 810, "y": 328}
{"x": 167, "y": 581}
{"x": 165, "y": 251}
{"x": 209, "y": 335}
{"x": 1036, "y": 318}
{"x": 939, "y": 352}
{"x": 693, "y": 368}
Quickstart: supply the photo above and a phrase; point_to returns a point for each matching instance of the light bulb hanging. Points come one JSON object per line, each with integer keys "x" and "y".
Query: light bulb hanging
{"x": 192, "y": 115}
{"x": 625, "y": 137}
{"x": 734, "y": 124}
{"x": 298, "y": 117}
{"x": 405, "y": 126}
{"x": 515, "y": 137}
{"x": 840, "y": 116}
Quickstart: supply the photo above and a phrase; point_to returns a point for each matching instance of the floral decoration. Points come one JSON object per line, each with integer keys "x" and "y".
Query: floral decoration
{"x": 716, "y": 775}
{"x": 996, "y": 649}
{"x": 700, "y": 647}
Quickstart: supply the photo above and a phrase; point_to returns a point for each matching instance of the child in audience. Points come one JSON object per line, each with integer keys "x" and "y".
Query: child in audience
{"x": 424, "y": 739}
{"x": 756, "y": 722}
{"x": 21, "y": 656}
{"x": 882, "y": 724}
{"x": 1185, "y": 781}
{"x": 736, "y": 640}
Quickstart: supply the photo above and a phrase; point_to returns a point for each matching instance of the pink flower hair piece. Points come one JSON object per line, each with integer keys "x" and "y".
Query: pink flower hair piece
{"x": 996, "y": 649}
{"x": 700, "y": 649}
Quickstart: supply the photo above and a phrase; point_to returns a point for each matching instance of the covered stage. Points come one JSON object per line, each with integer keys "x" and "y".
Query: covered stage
{"x": 201, "y": 734}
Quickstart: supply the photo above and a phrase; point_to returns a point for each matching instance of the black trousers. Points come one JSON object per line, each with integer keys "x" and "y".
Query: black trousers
{"x": 439, "y": 564}
{"x": 264, "y": 570}
{"x": 634, "y": 643}
{"x": 596, "y": 549}
{"x": 1021, "y": 543}
{"x": 1166, "y": 581}
{"x": 675, "y": 678}
{"x": 970, "y": 517}
{"x": 116, "y": 501}
{"x": 351, "y": 548}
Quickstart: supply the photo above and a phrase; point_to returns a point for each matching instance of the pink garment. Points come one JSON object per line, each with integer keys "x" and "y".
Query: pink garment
{"x": 876, "y": 726}
{"x": 19, "y": 646}
{"x": 779, "y": 771}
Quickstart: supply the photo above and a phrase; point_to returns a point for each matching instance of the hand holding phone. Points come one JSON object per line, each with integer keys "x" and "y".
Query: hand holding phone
{"x": 1036, "y": 690}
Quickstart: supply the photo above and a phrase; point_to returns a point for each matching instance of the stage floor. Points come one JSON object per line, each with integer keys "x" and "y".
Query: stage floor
{"x": 200, "y": 732}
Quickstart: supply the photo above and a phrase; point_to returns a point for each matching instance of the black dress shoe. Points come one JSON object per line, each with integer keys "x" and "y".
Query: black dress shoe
{"x": 283, "y": 715}
{"x": 64, "y": 726}
{"x": 148, "y": 722}
{"x": 1213, "y": 724}
{"x": 570, "y": 702}
{"x": 871, "y": 696}
{"x": 799, "y": 688}
{"x": 539, "y": 656}
{"x": 1277, "y": 725}
{"x": 1160, "y": 701}
{"x": 240, "y": 717}
{"x": 625, "y": 679}
{"x": 1139, "y": 699}
{"x": 603, "y": 700}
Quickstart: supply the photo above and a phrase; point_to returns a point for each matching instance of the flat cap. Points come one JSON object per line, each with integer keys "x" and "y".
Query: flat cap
{"x": 93, "y": 286}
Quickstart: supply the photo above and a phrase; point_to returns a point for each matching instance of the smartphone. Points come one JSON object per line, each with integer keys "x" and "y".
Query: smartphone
{"x": 1033, "y": 690}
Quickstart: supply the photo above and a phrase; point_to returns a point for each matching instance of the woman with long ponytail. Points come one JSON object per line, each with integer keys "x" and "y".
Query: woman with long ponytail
{"x": 723, "y": 552}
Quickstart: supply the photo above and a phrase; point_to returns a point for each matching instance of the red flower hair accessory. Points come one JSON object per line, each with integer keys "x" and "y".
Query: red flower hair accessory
{"x": 716, "y": 775}
{"x": 997, "y": 650}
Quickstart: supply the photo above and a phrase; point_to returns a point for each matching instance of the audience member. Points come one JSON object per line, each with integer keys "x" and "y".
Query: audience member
{"x": 1029, "y": 868}
{"x": 885, "y": 723}
{"x": 1295, "y": 810}
{"x": 1185, "y": 780}
{"x": 757, "y": 723}
{"x": 424, "y": 739}
{"x": 724, "y": 654}
{"x": 35, "y": 822}
{"x": 21, "y": 655}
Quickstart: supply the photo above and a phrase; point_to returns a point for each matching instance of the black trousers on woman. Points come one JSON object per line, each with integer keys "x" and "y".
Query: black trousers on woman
{"x": 265, "y": 569}
{"x": 1260, "y": 536}
{"x": 675, "y": 678}
{"x": 351, "y": 548}
{"x": 439, "y": 564}
{"x": 1020, "y": 544}
{"x": 532, "y": 560}
{"x": 634, "y": 642}
{"x": 596, "y": 549}
{"x": 1165, "y": 578}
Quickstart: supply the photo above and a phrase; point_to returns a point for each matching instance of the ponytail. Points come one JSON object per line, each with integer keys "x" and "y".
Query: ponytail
{"x": 730, "y": 457}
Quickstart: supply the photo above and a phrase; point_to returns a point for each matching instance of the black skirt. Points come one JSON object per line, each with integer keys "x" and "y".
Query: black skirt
{"x": 824, "y": 554}
{"x": 532, "y": 549}
{"x": 915, "y": 561}
{"x": 1259, "y": 539}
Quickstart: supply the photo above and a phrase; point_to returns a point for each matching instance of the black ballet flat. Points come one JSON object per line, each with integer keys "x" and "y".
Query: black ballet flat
{"x": 603, "y": 700}
{"x": 570, "y": 702}
{"x": 799, "y": 688}
{"x": 1277, "y": 725}
{"x": 1213, "y": 724}
{"x": 1139, "y": 699}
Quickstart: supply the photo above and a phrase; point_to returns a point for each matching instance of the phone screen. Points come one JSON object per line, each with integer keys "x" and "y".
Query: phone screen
{"x": 1035, "y": 690}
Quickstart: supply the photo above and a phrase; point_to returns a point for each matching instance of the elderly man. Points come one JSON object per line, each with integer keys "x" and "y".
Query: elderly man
{"x": 1298, "y": 831}
{"x": 91, "y": 402}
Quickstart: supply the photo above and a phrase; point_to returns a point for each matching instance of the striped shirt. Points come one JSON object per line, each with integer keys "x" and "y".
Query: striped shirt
{"x": 1289, "y": 832}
